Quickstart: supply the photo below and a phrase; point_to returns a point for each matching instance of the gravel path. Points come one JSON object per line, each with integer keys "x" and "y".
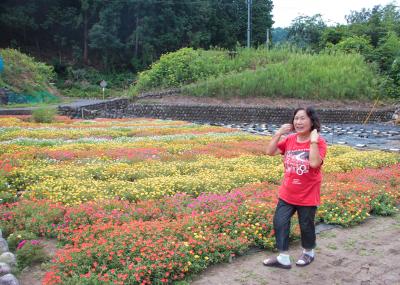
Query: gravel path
{"x": 370, "y": 136}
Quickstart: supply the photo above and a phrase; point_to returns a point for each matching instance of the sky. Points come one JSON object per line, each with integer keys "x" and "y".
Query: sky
{"x": 332, "y": 12}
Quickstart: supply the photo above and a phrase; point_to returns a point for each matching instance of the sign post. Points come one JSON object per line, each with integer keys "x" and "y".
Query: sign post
{"x": 103, "y": 85}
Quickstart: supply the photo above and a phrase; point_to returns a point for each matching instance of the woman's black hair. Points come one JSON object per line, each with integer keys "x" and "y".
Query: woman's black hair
{"x": 315, "y": 123}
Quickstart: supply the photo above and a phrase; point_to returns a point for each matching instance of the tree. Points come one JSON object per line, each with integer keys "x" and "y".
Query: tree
{"x": 128, "y": 33}
{"x": 388, "y": 50}
{"x": 104, "y": 34}
{"x": 333, "y": 35}
{"x": 261, "y": 20}
{"x": 306, "y": 31}
{"x": 279, "y": 35}
{"x": 87, "y": 15}
{"x": 357, "y": 44}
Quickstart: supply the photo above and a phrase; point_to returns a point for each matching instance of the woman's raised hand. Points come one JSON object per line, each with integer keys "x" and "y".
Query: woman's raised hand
{"x": 314, "y": 136}
{"x": 285, "y": 129}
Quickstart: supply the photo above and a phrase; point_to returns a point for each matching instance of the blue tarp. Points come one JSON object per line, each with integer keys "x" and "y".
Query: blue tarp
{"x": 1, "y": 64}
{"x": 36, "y": 97}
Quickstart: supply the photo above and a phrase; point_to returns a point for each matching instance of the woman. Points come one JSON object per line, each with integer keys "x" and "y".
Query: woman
{"x": 304, "y": 152}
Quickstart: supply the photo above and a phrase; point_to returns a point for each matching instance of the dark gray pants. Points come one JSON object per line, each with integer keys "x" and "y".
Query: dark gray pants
{"x": 283, "y": 213}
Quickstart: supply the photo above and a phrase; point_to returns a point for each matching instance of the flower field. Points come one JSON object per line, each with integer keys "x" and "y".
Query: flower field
{"x": 141, "y": 201}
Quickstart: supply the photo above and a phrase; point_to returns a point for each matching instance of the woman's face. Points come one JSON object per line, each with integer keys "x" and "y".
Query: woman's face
{"x": 302, "y": 123}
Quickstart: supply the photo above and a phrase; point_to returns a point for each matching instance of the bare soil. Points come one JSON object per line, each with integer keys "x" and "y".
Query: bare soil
{"x": 271, "y": 102}
{"x": 366, "y": 254}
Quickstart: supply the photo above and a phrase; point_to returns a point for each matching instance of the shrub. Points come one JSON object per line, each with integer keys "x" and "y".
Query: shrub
{"x": 44, "y": 115}
{"x": 183, "y": 66}
{"x": 356, "y": 44}
{"x": 384, "y": 204}
{"x": 16, "y": 237}
{"x": 30, "y": 252}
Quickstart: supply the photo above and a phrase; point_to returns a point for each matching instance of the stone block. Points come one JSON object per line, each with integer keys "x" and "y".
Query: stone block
{"x": 9, "y": 258}
{"x": 8, "y": 279}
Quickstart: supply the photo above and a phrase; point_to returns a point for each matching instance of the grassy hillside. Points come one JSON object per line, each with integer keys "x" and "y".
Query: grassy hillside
{"x": 27, "y": 79}
{"x": 262, "y": 73}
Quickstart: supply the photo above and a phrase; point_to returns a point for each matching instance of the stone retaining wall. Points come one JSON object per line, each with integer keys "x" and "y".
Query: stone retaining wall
{"x": 123, "y": 108}
{"x": 115, "y": 108}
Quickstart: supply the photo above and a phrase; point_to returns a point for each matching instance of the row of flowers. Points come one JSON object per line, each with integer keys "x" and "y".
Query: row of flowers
{"x": 105, "y": 132}
{"x": 161, "y": 240}
{"x": 74, "y": 182}
{"x": 25, "y": 121}
{"x": 22, "y": 147}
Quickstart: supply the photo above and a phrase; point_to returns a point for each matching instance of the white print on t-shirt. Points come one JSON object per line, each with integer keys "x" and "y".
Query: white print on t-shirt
{"x": 296, "y": 181}
{"x": 297, "y": 161}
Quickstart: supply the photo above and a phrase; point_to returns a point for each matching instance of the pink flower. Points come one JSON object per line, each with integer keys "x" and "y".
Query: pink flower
{"x": 35, "y": 242}
{"x": 21, "y": 244}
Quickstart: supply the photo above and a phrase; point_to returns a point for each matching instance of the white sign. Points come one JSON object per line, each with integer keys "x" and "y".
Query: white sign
{"x": 103, "y": 84}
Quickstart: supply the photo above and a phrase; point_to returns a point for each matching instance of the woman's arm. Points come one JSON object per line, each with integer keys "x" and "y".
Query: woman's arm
{"x": 315, "y": 157}
{"x": 272, "y": 148}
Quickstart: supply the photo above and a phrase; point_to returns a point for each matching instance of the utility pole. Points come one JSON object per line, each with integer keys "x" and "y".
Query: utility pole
{"x": 249, "y": 3}
{"x": 267, "y": 40}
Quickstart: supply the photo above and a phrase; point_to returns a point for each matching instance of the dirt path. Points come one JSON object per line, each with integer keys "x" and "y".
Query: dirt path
{"x": 366, "y": 254}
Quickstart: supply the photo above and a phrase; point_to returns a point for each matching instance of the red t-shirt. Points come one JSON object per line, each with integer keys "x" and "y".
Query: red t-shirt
{"x": 301, "y": 184}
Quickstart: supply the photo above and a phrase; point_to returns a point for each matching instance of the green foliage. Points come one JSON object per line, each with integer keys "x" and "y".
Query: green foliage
{"x": 38, "y": 217}
{"x": 279, "y": 35}
{"x": 23, "y": 74}
{"x": 388, "y": 50}
{"x": 259, "y": 72}
{"x": 7, "y": 197}
{"x": 187, "y": 65}
{"x": 183, "y": 66}
{"x": 384, "y": 205}
{"x": 31, "y": 253}
{"x": 306, "y": 31}
{"x": 390, "y": 87}
{"x": 124, "y": 34}
{"x": 306, "y": 76}
{"x": 43, "y": 115}
{"x": 395, "y": 70}
{"x": 355, "y": 44}
{"x": 374, "y": 23}
{"x": 16, "y": 237}
{"x": 6, "y": 194}
{"x": 84, "y": 83}
{"x": 332, "y": 35}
